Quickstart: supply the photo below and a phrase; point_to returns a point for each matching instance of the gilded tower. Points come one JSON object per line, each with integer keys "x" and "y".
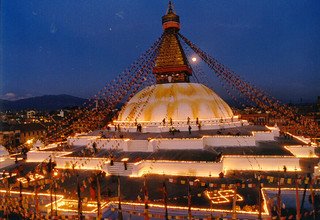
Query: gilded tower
{"x": 171, "y": 64}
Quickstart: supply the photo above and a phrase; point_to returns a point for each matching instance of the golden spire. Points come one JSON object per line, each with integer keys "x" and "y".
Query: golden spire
{"x": 171, "y": 63}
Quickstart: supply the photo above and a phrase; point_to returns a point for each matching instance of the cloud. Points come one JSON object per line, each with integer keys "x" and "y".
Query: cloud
{"x": 120, "y": 14}
{"x": 10, "y": 96}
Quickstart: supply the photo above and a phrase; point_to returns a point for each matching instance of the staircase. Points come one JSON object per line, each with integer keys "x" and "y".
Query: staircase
{"x": 118, "y": 169}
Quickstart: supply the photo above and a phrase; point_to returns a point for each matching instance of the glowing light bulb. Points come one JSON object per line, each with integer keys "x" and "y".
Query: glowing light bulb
{"x": 194, "y": 59}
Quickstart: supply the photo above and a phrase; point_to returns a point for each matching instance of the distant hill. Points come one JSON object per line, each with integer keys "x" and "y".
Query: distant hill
{"x": 46, "y": 102}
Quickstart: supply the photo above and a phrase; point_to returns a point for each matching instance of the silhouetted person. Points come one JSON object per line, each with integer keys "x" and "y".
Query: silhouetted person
{"x": 199, "y": 126}
{"x": 189, "y": 129}
{"x": 94, "y": 146}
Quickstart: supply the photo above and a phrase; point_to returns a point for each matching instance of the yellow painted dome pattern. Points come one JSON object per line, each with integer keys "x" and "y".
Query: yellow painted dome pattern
{"x": 177, "y": 101}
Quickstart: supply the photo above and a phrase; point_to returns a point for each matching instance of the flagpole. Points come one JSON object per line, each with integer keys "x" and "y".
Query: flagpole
{"x": 20, "y": 195}
{"x": 79, "y": 199}
{"x": 279, "y": 199}
{"x": 260, "y": 198}
{"x": 234, "y": 212}
{"x": 189, "y": 201}
{"x": 55, "y": 197}
{"x": 298, "y": 216}
{"x": 36, "y": 198}
{"x": 165, "y": 198}
{"x": 312, "y": 198}
{"x": 98, "y": 197}
{"x": 120, "y": 217}
{"x": 146, "y": 198}
{"x": 49, "y": 167}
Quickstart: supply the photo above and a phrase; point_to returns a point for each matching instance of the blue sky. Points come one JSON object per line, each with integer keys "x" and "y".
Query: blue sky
{"x": 76, "y": 46}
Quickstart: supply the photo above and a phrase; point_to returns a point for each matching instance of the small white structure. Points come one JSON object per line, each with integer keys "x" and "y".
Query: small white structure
{"x": 5, "y": 159}
{"x": 61, "y": 113}
{"x": 38, "y": 145}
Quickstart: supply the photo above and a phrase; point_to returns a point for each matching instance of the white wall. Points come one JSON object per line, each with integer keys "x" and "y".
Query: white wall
{"x": 264, "y": 163}
{"x": 178, "y": 144}
{"x": 302, "y": 151}
{"x": 263, "y": 135}
{"x": 221, "y": 141}
{"x": 82, "y": 163}
{"x": 137, "y": 145}
{"x": 187, "y": 168}
{"x": 81, "y": 141}
{"x": 6, "y": 162}
{"x": 112, "y": 143}
{"x": 40, "y": 156}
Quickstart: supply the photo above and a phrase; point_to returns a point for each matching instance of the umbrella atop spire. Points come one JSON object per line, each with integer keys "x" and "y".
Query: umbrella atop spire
{"x": 170, "y": 21}
{"x": 170, "y": 8}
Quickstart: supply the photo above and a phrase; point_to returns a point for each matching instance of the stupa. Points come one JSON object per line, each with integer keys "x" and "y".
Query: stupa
{"x": 174, "y": 102}
{"x": 206, "y": 140}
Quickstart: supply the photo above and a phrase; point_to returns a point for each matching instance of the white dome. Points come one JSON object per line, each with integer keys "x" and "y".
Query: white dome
{"x": 177, "y": 101}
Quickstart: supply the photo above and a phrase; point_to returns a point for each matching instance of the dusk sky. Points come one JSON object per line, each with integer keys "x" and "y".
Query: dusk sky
{"x": 74, "y": 47}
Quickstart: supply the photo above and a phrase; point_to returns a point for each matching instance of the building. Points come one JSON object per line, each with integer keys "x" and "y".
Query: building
{"x": 31, "y": 131}
{"x": 13, "y": 135}
{"x": 9, "y": 135}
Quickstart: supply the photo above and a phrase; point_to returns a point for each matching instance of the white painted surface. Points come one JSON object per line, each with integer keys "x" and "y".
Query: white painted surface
{"x": 40, "y": 156}
{"x": 6, "y": 162}
{"x": 222, "y": 141}
{"x": 302, "y": 151}
{"x": 81, "y": 140}
{"x": 178, "y": 144}
{"x": 263, "y": 163}
{"x": 263, "y": 135}
{"x": 138, "y": 145}
{"x": 82, "y": 163}
{"x": 104, "y": 143}
{"x": 185, "y": 168}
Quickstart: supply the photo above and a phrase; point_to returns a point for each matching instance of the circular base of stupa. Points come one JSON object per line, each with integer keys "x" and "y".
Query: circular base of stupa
{"x": 183, "y": 125}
